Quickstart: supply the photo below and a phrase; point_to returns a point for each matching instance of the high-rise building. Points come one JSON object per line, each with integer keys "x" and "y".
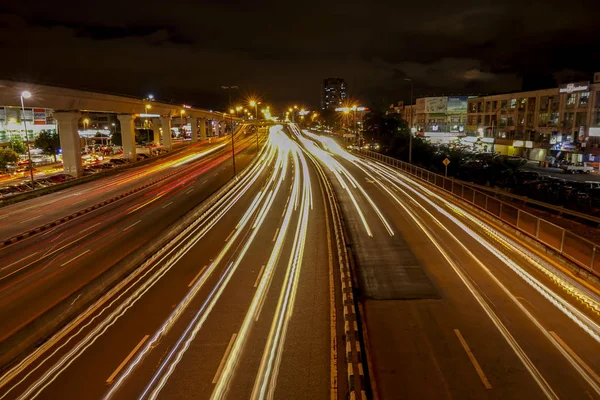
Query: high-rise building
{"x": 334, "y": 93}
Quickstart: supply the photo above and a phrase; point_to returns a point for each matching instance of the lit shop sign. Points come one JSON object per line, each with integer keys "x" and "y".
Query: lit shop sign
{"x": 520, "y": 143}
{"x": 574, "y": 87}
{"x": 347, "y": 109}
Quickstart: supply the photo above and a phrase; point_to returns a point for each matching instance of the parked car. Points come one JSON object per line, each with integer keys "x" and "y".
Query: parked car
{"x": 59, "y": 178}
{"x": 582, "y": 168}
{"x": 6, "y": 192}
{"x": 119, "y": 161}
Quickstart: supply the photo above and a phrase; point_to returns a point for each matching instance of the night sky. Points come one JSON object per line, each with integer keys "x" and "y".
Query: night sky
{"x": 282, "y": 50}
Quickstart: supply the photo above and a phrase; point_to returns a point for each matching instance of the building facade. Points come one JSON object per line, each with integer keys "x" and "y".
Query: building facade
{"x": 561, "y": 122}
{"x": 333, "y": 93}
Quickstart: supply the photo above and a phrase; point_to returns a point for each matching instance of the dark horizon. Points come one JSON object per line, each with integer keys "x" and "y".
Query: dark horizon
{"x": 282, "y": 53}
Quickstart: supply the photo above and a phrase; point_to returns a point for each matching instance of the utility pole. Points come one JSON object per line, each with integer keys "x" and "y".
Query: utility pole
{"x": 228, "y": 88}
{"x": 410, "y": 123}
{"x": 27, "y": 95}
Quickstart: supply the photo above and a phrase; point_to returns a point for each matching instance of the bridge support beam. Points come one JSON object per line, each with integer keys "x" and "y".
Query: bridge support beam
{"x": 156, "y": 131}
{"x": 128, "y": 136}
{"x": 166, "y": 132}
{"x": 70, "y": 143}
{"x": 194, "y": 126}
{"x": 202, "y": 129}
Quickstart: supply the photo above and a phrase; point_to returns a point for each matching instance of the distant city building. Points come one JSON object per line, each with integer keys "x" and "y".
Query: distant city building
{"x": 561, "y": 122}
{"x": 334, "y": 93}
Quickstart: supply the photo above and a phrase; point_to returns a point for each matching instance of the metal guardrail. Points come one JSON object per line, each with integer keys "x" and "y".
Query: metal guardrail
{"x": 570, "y": 245}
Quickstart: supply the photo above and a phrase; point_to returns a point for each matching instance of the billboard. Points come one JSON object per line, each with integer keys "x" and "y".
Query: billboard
{"x": 39, "y": 116}
{"x": 434, "y": 105}
{"x": 457, "y": 104}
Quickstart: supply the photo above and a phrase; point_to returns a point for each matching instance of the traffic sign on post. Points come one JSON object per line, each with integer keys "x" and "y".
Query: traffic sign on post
{"x": 446, "y": 162}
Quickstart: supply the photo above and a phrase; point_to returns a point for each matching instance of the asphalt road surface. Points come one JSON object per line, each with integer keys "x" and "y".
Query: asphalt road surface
{"x": 456, "y": 306}
{"x": 238, "y": 306}
{"x": 246, "y": 301}
{"x": 39, "y": 272}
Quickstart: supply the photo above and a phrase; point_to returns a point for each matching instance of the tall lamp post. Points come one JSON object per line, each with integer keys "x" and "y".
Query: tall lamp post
{"x": 410, "y": 123}
{"x": 254, "y": 103}
{"x": 25, "y": 95}
{"x": 146, "y": 124}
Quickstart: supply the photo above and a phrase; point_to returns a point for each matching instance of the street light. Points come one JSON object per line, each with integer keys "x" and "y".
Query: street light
{"x": 254, "y": 103}
{"x": 25, "y": 95}
{"x": 229, "y": 88}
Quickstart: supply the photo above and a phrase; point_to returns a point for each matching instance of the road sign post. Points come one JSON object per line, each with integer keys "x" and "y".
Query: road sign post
{"x": 446, "y": 162}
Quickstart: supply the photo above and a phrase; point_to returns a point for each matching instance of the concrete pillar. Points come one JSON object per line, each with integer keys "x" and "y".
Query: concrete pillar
{"x": 194, "y": 126}
{"x": 202, "y": 129}
{"x": 215, "y": 127}
{"x": 223, "y": 127}
{"x": 70, "y": 142}
{"x": 156, "y": 131}
{"x": 166, "y": 132}
{"x": 128, "y": 136}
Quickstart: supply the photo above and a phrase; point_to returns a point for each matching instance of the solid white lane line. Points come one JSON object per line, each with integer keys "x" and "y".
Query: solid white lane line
{"x": 132, "y": 225}
{"x": 222, "y": 363}
{"x": 111, "y": 378}
{"x": 583, "y": 364}
{"x": 167, "y": 205}
{"x": 230, "y": 235}
{"x": 275, "y": 235}
{"x": 30, "y": 219}
{"x": 75, "y": 258}
{"x": 259, "y": 275}
{"x": 18, "y": 261}
{"x": 198, "y": 275}
{"x": 473, "y": 360}
{"x": 90, "y": 227}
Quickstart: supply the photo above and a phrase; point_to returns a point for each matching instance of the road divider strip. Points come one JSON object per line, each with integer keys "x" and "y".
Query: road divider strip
{"x": 357, "y": 383}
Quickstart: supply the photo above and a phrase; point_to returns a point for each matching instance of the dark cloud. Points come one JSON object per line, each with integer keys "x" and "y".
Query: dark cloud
{"x": 185, "y": 50}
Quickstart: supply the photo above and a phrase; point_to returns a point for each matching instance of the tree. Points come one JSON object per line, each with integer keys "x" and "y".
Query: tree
{"x": 7, "y": 156}
{"x": 18, "y": 145}
{"x": 117, "y": 139}
{"x": 48, "y": 142}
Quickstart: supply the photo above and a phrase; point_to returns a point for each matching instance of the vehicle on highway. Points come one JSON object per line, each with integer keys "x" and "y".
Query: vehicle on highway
{"x": 582, "y": 168}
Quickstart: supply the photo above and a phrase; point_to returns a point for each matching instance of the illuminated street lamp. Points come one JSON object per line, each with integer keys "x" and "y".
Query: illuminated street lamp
{"x": 254, "y": 103}
{"x": 26, "y": 95}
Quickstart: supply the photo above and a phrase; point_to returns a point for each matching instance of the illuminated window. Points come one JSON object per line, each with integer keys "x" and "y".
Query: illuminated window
{"x": 584, "y": 98}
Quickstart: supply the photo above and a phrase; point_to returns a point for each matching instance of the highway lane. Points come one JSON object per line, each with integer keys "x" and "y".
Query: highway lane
{"x": 77, "y": 252}
{"x": 258, "y": 265}
{"x": 455, "y": 306}
{"x": 22, "y": 216}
